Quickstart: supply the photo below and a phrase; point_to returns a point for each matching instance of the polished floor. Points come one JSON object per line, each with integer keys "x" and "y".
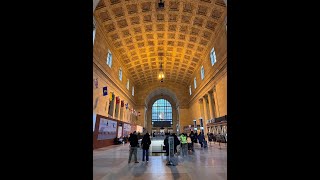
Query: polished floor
{"x": 112, "y": 163}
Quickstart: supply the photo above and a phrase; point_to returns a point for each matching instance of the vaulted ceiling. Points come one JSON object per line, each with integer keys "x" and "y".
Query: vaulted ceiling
{"x": 180, "y": 35}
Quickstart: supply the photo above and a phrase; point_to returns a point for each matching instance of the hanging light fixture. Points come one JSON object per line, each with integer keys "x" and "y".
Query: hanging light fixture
{"x": 161, "y": 73}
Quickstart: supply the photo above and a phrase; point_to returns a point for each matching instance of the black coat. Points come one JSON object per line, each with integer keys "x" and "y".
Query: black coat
{"x": 145, "y": 142}
{"x": 133, "y": 140}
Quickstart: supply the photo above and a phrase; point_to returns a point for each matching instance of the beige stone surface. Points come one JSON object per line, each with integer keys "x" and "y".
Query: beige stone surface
{"x": 181, "y": 36}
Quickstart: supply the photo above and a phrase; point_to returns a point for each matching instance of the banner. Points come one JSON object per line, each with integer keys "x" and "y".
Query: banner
{"x": 107, "y": 129}
{"x": 110, "y": 96}
{"x": 127, "y": 106}
{"x": 122, "y": 103}
{"x": 105, "y": 91}
{"x": 117, "y": 100}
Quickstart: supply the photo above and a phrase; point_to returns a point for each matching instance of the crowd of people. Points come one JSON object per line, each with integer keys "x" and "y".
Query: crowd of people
{"x": 185, "y": 140}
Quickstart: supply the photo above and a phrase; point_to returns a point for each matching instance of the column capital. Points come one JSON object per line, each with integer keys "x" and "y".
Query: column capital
{"x": 214, "y": 88}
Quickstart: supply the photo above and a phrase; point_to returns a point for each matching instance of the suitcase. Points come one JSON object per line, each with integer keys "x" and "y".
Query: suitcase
{"x": 205, "y": 144}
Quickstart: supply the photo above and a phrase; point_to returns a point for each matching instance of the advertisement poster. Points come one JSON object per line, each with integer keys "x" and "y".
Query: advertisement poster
{"x": 107, "y": 129}
{"x": 126, "y": 129}
{"x": 119, "y": 131}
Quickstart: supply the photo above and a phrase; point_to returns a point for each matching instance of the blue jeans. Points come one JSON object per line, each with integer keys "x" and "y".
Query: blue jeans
{"x": 145, "y": 152}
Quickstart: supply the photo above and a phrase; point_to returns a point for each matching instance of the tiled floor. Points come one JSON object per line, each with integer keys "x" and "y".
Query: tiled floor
{"x": 112, "y": 163}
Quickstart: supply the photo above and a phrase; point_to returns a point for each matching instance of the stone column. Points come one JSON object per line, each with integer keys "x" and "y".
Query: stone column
{"x": 201, "y": 108}
{"x": 211, "y": 104}
{"x": 145, "y": 118}
{"x": 216, "y": 103}
{"x": 205, "y": 114}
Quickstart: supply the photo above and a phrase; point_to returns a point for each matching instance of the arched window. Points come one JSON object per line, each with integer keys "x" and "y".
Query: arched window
{"x": 94, "y": 32}
{"x": 128, "y": 83}
{"x": 213, "y": 56}
{"x": 195, "y": 82}
{"x": 109, "y": 58}
{"x": 202, "y": 72}
{"x": 120, "y": 74}
{"x": 132, "y": 90}
{"x": 161, "y": 111}
{"x": 190, "y": 92}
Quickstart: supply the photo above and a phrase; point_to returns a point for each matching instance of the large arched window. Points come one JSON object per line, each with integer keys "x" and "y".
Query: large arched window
{"x": 161, "y": 113}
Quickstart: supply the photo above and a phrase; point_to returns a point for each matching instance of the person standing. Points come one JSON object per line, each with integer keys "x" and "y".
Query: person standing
{"x": 133, "y": 139}
{"x": 201, "y": 139}
{"x": 184, "y": 145}
{"x": 145, "y": 143}
{"x": 189, "y": 142}
{"x": 176, "y": 142}
{"x": 192, "y": 136}
{"x": 166, "y": 145}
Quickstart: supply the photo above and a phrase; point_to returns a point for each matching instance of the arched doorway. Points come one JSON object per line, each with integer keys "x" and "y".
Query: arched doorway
{"x": 161, "y": 116}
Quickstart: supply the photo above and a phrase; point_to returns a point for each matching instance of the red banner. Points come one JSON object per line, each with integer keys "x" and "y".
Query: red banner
{"x": 117, "y": 100}
{"x": 122, "y": 103}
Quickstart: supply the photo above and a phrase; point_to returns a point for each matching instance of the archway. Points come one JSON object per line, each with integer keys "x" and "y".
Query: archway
{"x": 164, "y": 95}
{"x": 161, "y": 116}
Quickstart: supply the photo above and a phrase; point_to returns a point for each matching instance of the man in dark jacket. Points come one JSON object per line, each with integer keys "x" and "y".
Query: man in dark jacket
{"x": 193, "y": 139}
{"x": 133, "y": 139}
{"x": 201, "y": 139}
{"x": 145, "y": 143}
{"x": 176, "y": 142}
{"x": 166, "y": 144}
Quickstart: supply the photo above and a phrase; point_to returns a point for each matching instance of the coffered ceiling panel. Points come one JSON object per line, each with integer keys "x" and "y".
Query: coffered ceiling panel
{"x": 177, "y": 36}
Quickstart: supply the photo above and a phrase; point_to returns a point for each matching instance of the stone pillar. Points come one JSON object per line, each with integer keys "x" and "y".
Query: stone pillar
{"x": 211, "y": 105}
{"x": 216, "y": 103}
{"x": 145, "y": 118}
{"x": 206, "y": 97}
{"x": 201, "y": 108}
{"x": 206, "y": 112}
{"x": 121, "y": 112}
